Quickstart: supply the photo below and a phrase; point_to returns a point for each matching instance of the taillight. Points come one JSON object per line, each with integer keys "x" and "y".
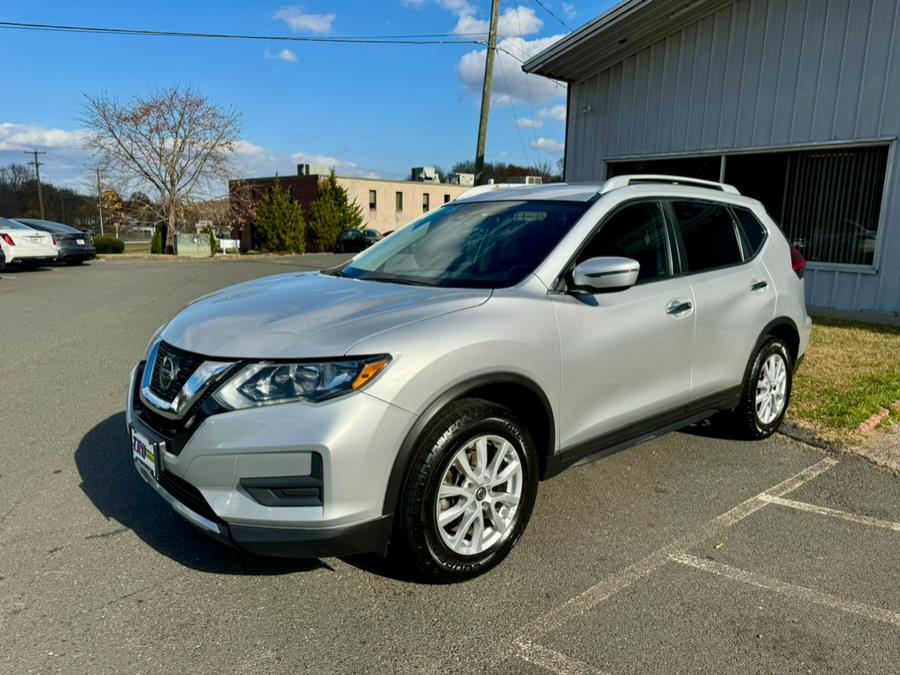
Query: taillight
{"x": 7, "y": 239}
{"x": 798, "y": 262}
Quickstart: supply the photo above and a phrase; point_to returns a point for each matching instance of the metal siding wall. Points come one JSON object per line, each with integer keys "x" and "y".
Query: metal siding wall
{"x": 757, "y": 74}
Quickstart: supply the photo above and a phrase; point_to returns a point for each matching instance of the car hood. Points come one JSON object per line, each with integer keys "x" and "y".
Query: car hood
{"x": 306, "y": 315}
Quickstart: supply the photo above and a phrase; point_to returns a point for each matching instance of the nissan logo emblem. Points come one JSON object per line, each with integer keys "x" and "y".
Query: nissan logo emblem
{"x": 167, "y": 372}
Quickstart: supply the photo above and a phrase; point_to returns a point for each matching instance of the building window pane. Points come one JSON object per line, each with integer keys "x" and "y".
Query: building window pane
{"x": 426, "y": 202}
{"x": 399, "y": 202}
{"x": 832, "y": 203}
{"x": 373, "y": 199}
{"x": 638, "y": 232}
{"x": 707, "y": 230}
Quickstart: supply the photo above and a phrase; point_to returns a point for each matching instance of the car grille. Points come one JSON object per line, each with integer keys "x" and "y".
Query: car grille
{"x": 175, "y": 432}
{"x": 185, "y": 363}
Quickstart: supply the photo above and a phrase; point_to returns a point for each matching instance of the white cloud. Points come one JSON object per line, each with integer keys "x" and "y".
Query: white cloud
{"x": 511, "y": 84}
{"x": 557, "y": 112}
{"x": 515, "y": 21}
{"x": 569, "y": 10}
{"x": 68, "y": 164}
{"x": 415, "y": 4}
{"x": 550, "y": 145}
{"x": 297, "y": 21}
{"x": 528, "y": 123}
{"x": 26, "y": 137}
{"x": 284, "y": 55}
{"x": 244, "y": 148}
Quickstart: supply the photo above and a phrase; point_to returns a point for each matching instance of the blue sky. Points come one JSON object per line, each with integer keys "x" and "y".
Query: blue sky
{"x": 367, "y": 110}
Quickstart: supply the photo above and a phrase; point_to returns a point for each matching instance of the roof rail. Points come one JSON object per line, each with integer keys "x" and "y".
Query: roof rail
{"x": 644, "y": 178}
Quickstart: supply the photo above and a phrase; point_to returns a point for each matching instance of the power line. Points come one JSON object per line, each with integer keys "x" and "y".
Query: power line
{"x": 530, "y": 100}
{"x": 550, "y": 12}
{"x": 512, "y": 106}
{"x": 373, "y": 39}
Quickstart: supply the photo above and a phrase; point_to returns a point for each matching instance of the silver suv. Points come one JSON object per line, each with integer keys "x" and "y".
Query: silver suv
{"x": 415, "y": 395}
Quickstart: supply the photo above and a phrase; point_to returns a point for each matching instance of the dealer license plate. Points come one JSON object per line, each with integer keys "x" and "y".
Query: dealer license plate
{"x": 145, "y": 452}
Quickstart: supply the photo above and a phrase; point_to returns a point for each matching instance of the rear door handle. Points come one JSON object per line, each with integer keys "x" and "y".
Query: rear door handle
{"x": 758, "y": 285}
{"x": 679, "y": 306}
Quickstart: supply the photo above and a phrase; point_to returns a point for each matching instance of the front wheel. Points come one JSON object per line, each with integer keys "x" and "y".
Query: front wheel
{"x": 766, "y": 391}
{"x": 470, "y": 491}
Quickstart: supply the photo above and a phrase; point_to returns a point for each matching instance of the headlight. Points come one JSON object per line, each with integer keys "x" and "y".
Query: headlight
{"x": 270, "y": 383}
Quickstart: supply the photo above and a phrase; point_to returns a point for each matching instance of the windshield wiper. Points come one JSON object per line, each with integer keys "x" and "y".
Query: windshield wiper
{"x": 397, "y": 280}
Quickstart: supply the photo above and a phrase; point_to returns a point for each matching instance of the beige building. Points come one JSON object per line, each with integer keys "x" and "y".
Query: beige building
{"x": 386, "y": 205}
{"x": 390, "y": 204}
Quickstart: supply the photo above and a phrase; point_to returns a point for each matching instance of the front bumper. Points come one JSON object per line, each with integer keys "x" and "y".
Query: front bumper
{"x": 211, "y": 474}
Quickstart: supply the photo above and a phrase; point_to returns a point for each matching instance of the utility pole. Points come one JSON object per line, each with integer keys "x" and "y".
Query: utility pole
{"x": 100, "y": 201}
{"x": 37, "y": 171}
{"x": 486, "y": 91}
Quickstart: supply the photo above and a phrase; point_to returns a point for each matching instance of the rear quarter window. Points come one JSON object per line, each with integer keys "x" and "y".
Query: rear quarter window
{"x": 709, "y": 235}
{"x": 754, "y": 231}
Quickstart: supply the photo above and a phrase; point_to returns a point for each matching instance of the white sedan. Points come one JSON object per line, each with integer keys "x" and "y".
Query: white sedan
{"x": 26, "y": 246}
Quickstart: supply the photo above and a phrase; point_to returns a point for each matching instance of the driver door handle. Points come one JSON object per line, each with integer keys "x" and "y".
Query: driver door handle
{"x": 679, "y": 307}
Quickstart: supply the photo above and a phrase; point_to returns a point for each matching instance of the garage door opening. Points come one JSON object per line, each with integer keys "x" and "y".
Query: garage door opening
{"x": 827, "y": 201}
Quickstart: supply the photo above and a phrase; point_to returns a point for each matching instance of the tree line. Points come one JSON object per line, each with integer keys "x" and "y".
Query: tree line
{"x": 19, "y": 198}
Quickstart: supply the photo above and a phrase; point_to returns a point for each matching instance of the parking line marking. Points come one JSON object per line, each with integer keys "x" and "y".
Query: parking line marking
{"x": 606, "y": 588}
{"x": 613, "y": 584}
{"x": 552, "y": 660}
{"x": 834, "y": 513}
{"x": 790, "y": 590}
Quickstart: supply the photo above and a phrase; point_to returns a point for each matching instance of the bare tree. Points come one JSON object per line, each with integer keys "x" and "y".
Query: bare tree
{"x": 174, "y": 142}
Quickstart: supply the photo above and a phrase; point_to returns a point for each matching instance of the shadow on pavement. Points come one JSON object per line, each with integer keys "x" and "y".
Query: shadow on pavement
{"x": 110, "y": 481}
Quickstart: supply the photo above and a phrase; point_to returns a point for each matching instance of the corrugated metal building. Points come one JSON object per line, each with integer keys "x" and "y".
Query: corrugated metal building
{"x": 796, "y": 102}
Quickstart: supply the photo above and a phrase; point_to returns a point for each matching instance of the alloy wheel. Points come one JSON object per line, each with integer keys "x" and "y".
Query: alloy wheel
{"x": 771, "y": 387}
{"x": 477, "y": 502}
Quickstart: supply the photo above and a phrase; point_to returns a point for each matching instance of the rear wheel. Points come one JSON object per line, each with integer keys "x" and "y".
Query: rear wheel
{"x": 766, "y": 391}
{"x": 470, "y": 491}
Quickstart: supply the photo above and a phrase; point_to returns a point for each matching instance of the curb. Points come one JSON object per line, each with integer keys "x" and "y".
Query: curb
{"x": 809, "y": 437}
{"x": 879, "y": 417}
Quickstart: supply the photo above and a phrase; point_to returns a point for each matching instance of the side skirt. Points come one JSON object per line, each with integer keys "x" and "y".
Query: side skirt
{"x": 640, "y": 432}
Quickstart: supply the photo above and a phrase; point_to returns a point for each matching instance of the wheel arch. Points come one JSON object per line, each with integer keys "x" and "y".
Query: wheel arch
{"x": 783, "y": 328}
{"x": 515, "y": 391}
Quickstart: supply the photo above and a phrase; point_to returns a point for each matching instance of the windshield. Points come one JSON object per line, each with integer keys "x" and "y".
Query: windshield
{"x": 475, "y": 245}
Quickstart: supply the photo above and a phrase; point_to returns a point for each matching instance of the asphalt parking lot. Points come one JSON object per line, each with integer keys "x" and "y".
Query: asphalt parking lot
{"x": 689, "y": 553}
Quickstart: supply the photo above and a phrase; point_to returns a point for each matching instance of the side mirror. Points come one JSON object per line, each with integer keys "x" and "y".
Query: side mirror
{"x": 606, "y": 274}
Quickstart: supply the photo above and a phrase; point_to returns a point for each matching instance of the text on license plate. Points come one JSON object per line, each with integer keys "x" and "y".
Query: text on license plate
{"x": 144, "y": 451}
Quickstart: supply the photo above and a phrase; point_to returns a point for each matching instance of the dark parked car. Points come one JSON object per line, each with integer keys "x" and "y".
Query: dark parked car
{"x": 353, "y": 241}
{"x": 75, "y": 246}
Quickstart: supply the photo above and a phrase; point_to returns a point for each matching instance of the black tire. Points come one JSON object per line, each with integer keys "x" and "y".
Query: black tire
{"x": 72, "y": 263}
{"x": 452, "y": 428}
{"x": 744, "y": 421}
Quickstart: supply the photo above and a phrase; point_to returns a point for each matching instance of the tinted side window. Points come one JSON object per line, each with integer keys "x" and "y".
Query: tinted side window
{"x": 635, "y": 231}
{"x": 708, "y": 233}
{"x": 752, "y": 228}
